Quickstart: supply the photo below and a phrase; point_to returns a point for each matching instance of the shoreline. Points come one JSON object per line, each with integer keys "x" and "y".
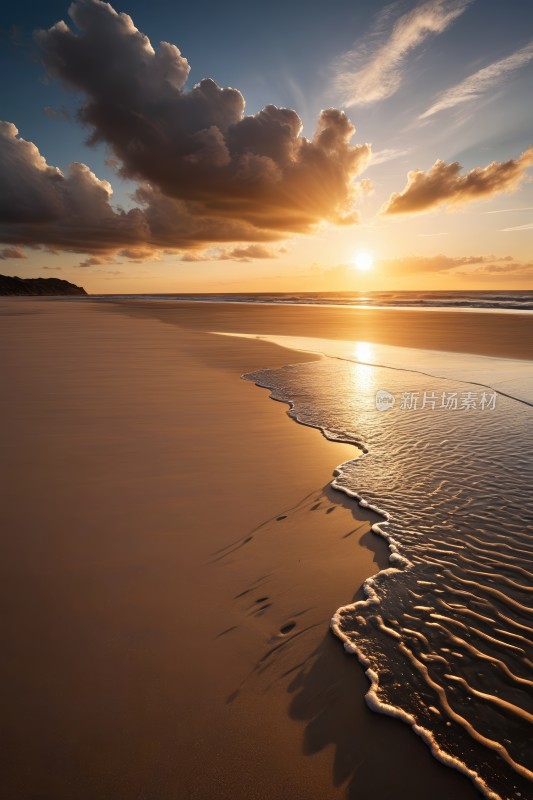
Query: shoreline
{"x": 457, "y": 309}
{"x": 491, "y": 334}
{"x": 141, "y": 658}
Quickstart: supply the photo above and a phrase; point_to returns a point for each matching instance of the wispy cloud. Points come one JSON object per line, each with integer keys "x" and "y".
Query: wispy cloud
{"x": 490, "y": 267}
{"x": 413, "y": 265}
{"x": 527, "y": 227}
{"x": 58, "y": 113}
{"x": 440, "y": 264}
{"x": 373, "y": 71}
{"x": 481, "y": 81}
{"x": 515, "y": 271}
{"x": 386, "y": 155}
{"x": 509, "y": 210}
{"x": 443, "y": 184}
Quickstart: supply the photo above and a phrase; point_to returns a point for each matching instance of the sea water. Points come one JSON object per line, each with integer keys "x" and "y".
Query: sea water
{"x": 444, "y": 633}
{"x": 520, "y": 301}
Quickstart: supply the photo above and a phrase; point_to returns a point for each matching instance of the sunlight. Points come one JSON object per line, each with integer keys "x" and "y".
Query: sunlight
{"x": 364, "y": 261}
{"x": 363, "y": 375}
{"x": 363, "y": 351}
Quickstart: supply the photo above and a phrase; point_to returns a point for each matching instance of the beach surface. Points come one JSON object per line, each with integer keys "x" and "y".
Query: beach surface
{"x": 173, "y": 554}
{"x": 504, "y": 335}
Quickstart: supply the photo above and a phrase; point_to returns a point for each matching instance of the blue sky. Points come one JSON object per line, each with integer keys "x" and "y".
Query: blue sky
{"x": 293, "y": 55}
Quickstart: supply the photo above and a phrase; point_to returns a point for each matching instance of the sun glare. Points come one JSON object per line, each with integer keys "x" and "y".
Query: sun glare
{"x": 364, "y": 261}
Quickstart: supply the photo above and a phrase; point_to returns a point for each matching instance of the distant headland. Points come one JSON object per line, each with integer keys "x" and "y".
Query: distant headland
{"x": 38, "y": 286}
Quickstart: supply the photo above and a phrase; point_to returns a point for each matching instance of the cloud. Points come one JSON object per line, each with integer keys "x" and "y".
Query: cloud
{"x": 481, "y": 81}
{"x": 241, "y": 253}
{"x": 527, "y": 227}
{"x": 53, "y": 269}
{"x": 251, "y": 252}
{"x": 112, "y": 272}
{"x": 374, "y": 70}
{"x": 509, "y": 210}
{"x": 386, "y": 155}
{"x": 516, "y": 271}
{"x": 206, "y": 170}
{"x": 489, "y": 266}
{"x": 444, "y": 185}
{"x": 11, "y": 252}
{"x": 194, "y": 257}
{"x": 40, "y": 205}
{"x": 413, "y": 265}
{"x": 95, "y": 261}
{"x": 57, "y": 113}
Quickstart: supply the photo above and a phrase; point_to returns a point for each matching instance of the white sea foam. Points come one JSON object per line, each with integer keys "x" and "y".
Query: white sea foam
{"x": 510, "y": 377}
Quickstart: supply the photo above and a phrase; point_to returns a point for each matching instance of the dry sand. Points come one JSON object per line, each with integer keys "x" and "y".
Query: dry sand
{"x": 162, "y": 523}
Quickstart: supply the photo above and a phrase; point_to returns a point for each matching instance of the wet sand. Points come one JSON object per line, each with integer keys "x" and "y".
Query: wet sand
{"x": 490, "y": 334}
{"x": 172, "y": 556}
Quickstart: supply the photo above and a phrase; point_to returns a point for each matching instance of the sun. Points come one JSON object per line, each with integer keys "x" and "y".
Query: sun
{"x": 364, "y": 261}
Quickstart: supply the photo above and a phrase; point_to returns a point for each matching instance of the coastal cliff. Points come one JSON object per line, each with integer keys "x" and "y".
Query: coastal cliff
{"x": 38, "y": 286}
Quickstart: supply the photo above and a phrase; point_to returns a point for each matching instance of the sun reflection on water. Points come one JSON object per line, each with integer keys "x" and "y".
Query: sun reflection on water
{"x": 364, "y": 378}
{"x": 364, "y": 351}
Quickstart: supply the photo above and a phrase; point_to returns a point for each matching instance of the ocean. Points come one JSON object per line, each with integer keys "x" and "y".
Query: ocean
{"x": 444, "y": 633}
{"x": 480, "y": 300}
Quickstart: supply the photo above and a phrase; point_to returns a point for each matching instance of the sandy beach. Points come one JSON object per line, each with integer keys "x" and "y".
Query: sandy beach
{"x": 173, "y": 553}
{"x": 266, "y": 395}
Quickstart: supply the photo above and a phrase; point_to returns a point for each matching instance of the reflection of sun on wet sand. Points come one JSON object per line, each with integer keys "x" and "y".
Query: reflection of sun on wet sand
{"x": 171, "y": 568}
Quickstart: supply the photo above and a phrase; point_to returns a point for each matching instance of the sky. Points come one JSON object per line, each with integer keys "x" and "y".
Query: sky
{"x": 302, "y": 146}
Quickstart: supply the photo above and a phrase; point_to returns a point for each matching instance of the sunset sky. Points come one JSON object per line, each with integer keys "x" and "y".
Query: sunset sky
{"x": 300, "y": 146}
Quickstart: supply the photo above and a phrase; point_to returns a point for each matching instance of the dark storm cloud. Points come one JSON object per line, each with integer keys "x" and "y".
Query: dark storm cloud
{"x": 39, "y": 205}
{"x": 207, "y": 173}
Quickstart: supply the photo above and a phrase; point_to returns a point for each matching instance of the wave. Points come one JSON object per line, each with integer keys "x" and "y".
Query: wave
{"x": 511, "y": 377}
{"x": 516, "y": 301}
{"x": 445, "y": 632}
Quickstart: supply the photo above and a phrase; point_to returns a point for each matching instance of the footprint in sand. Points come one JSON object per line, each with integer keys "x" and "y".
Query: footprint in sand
{"x": 287, "y": 628}
{"x": 263, "y": 605}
